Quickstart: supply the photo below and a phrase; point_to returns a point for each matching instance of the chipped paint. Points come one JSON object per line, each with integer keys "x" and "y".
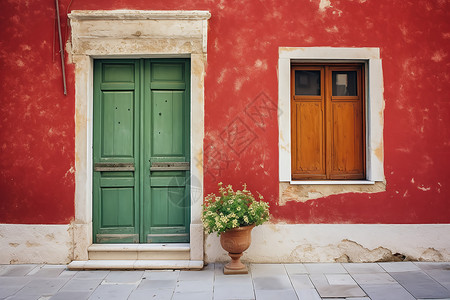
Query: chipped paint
{"x": 359, "y": 243}
{"x": 303, "y": 193}
{"x": 324, "y": 4}
{"x": 39, "y": 126}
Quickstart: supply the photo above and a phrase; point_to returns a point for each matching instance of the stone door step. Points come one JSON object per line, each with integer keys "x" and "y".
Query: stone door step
{"x": 135, "y": 264}
{"x": 139, "y": 252}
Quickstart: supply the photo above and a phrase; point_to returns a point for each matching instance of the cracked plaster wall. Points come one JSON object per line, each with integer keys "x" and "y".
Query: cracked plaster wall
{"x": 37, "y": 128}
{"x": 340, "y": 243}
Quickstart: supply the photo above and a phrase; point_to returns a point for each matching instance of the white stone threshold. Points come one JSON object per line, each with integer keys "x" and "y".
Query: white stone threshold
{"x": 140, "y": 247}
{"x": 139, "y": 252}
{"x": 135, "y": 264}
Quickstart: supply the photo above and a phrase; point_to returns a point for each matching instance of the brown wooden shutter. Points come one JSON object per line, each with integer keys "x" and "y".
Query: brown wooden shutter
{"x": 308, "y": 131}
{"x": 328, "y": 126}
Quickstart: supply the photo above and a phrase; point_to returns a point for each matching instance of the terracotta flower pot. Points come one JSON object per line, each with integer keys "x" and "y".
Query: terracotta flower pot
{"x": 235, "y": 241}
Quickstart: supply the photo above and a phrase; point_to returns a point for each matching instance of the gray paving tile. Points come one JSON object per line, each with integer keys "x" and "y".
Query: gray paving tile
{"x": 438, "y": 271}
{"x": 387, "y": 292}
{"x": 193, "y": 296}
{"x": 35, "y": 269}
{"x": 433, "y": 265}
{"x": 24, "y": 297}
{"x": 441, "y": 276}
{"x": 218, "y": 269}
{"x": 242, "y": 287}
{"x": 161, "y": 274}
{"x": 375, "y": 278}
{"x": 272, "y": 283}
{"x": 67, "y": 273}
{"x": 296, "y": 269}
{"x": 308, "y": 294}
{"x": 367, "y": 268}
{"x": 406, "y": 266}
{"x": 14, "y": 281}
{"x": 43, "y": 287}
{"x": 276, "y": 294}
{"x": 82, "y": 284}
{"x": 112, "y": 291}
{"x": 146, "y": 294}
{"x": 17, "y": 270}
{"x": 157, "y": 284}
{"x": 420, "y": 285}
{"x": 340, "y": 279}
{"x": 92, "y": 274}
{"x": 47, "y": 271}
{"x": 326, "y": 290}
{"x": 193, "y": 286}
{"x": 71, "y": 295}
{"x": 263, "y": 270}
{"x": 301, "y": 282}
{"x": 207, "y": 276}
{"x": 436, "y": 299}
{"x": 124, "y": 277}
{"x": 321, "y": 268}
{"x": 6, "y": 291}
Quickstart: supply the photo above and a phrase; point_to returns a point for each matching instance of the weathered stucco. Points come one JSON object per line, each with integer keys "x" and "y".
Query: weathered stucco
{"x": 25, "y": 244}
{"x": 340, "y": 243}
{"x": 45, "y": 150}
{"x": 306, "y": 192}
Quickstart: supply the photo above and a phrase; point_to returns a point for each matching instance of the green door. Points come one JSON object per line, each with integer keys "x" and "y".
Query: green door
{"x": 141, "y": 151}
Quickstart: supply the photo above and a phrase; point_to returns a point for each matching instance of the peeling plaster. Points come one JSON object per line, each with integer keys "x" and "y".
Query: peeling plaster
{"x": 304, "y": 193}
{"x": 287, "y": 243}
{"x": 356, "y": 253}
{"x": 324, "y": 4}
{"x": 439, "y": 55}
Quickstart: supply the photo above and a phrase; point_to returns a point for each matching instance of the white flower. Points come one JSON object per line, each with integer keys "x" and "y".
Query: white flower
{"x": 234, "y": 223}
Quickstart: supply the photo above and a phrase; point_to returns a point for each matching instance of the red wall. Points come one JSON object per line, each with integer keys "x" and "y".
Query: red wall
{"x": 37, "y": 120}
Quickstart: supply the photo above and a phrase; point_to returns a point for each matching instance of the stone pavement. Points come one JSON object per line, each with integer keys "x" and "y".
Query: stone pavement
{"x": 376, "y": 281}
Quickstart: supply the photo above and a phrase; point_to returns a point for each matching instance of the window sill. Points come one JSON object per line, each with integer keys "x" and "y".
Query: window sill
{"x": 336, "y": 182}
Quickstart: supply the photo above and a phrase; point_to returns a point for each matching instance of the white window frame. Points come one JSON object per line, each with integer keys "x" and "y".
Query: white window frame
{"x": 374, "y": 106}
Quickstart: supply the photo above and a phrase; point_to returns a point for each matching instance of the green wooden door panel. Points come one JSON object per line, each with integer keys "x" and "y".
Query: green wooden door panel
{"x": 165, "y": 181}
{"x": 141, "y": 116}
{"x": 168, "y": 207}
{"x": 116, "y": 134}
{"x": 168, "y": 123}
{"x": 118, "y": 124}
{"x": 166, "y": 193}
{"x": 167, "y": 72}
{"x": 117, "y": 207}
{"x": 118, "y": 72}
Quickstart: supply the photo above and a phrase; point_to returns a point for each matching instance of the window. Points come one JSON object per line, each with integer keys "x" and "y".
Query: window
{"x": 327, "y": 122}
{"x": 372, "y": 102}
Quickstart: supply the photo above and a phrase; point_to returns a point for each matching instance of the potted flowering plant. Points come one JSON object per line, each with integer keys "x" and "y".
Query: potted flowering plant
{"x": 233, "y": 214}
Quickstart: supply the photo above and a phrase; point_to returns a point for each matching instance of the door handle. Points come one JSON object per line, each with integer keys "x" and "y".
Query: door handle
{"x": 113, "y": 167}
{"x": 170, "y": 166}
